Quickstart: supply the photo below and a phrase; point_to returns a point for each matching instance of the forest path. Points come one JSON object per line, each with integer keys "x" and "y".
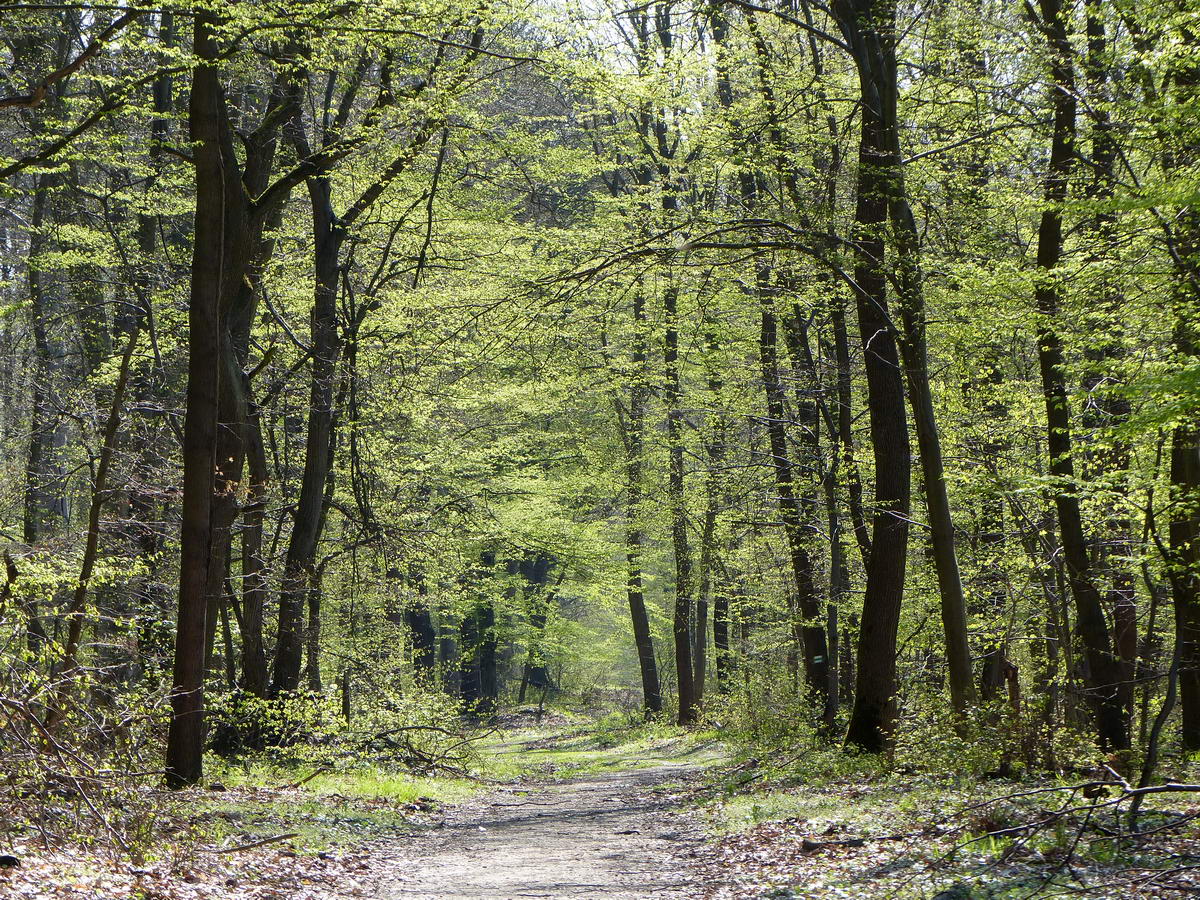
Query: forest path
{"x": 615, "y": 835}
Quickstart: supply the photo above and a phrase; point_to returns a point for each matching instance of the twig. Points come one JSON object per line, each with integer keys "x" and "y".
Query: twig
{"x": 306, "y": 779}
{"x": 253, "y": 844}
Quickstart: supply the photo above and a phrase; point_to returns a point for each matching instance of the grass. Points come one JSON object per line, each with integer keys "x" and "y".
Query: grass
{"x": 363, "y": 781}
{"x": 610, "y": 745}
{"x": 259, "y": 798}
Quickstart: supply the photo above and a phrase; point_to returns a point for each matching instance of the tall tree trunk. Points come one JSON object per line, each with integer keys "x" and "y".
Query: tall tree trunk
{"x": 1184, "y": 525}
{"x": 254, "y": 674}
{"x": 1103, "y": 670}
{"x": 185, "y": 739}
{"x": 715, "y": 451}
{"x": 679, "y": 536}
{"x": 811, "y": 411}
{"x": 1111, "y": 408}
{"x": 933, "y": 474}
{"x": 868, "y": 28}
{"x": 807, "y": 609}
{"x": 635, "y": 440}
{"x": 309, "y": 516}
{"x": 808, "y": 626}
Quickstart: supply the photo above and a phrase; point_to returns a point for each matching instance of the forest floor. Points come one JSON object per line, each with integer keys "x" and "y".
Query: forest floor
{"x": 625, "y": 811}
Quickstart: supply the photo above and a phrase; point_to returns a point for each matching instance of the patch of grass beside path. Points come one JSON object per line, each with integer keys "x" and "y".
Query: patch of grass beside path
{"x": 612, "y": 744}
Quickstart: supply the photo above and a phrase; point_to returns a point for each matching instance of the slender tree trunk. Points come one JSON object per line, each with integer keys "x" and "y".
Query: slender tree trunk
{"x": 933, "y": 474}
{"x": 679, "y": 536}
{"x": 635, "y": 440}
{"x": 254, "y": 579}
{"x": 91, "y": 549}
{"x": 1104, "y": 669}
{"x": 1111, "y": 408}
{"x": 810, "y": 626}
{"x": 310, "y": 508}
{"x": 812, "y": 410}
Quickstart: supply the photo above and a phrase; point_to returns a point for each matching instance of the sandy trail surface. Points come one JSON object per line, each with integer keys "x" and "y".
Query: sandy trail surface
{"x": 622, "y": 835}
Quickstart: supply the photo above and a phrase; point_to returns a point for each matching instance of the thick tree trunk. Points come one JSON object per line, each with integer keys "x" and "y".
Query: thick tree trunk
{"x": 868, "y": 29}
{"x": 185, "y": 740}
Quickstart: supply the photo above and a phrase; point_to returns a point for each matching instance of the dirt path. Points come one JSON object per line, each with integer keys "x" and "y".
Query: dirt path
{"x": 610, "y": 836}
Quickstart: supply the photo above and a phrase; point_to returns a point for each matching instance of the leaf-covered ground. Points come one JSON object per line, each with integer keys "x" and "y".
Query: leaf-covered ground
{"x": 898, "y": 837}
{"x": 241, "y": 843}
{"x": 565, "y": 809}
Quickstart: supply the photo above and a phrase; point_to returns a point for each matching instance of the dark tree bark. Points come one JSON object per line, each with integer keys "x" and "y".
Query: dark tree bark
{"x": 807, "y": 611}
{"x": 635, "y": 438}
{"x": 309, "y": 516}
{"x": 681, "y": 622}
{"x": 254, "y": 674}
{"x": 329, "y": 234}
{"x": 1107, "y": 406}
{"x": 812, "y": 410}
{"x": 808, "y": 625}
{"x": 1103, "y": 676}
{"x": 722, "y": 656}
{"x": 914, "y": 349}
{"x": 1183, "y": 238}
{"x": 868, "y": 28}
{"x": 539, "y": 595}
{"x": 185, "y": 740}
{"x": 233, "y": 207}
{"x": 420, "y": 629}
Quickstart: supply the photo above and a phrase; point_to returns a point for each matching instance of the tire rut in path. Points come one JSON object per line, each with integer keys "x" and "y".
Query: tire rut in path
{"x": 607, "y": 836}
